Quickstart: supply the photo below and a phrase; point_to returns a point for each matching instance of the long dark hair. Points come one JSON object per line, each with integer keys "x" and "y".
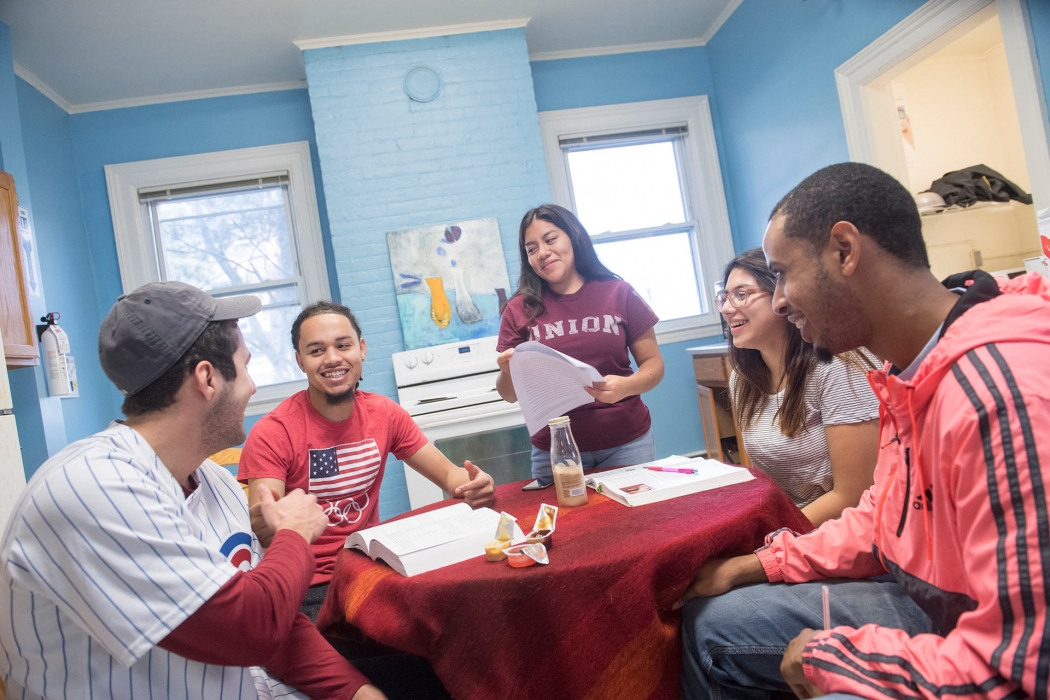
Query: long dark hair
{"x": 754, "y": 383}
{"x": 586, "y": 261}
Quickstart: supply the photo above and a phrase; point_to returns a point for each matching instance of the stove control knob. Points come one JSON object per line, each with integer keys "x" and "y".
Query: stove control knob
{"x": 411, "y": 362}
{"x": 428, "y": 357}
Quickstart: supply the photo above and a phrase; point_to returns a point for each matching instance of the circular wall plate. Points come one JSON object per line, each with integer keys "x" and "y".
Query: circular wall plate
{"x": 422, "y": 84}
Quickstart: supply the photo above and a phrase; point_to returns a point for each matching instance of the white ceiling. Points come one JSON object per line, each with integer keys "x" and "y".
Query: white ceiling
{"x": 976, "y": 42}
{"x": 92, "y": 54}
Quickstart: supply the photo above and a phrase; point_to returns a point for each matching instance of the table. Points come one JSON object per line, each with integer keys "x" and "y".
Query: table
{"x": 722, "y": 435}
{"x": 595, "y": 623}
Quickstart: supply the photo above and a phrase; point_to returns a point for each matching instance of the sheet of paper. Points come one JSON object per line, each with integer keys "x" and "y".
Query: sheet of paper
{"x": 413, "y": 535}
{"x": 423, "y": 529}
{"x": 549, "y": 383}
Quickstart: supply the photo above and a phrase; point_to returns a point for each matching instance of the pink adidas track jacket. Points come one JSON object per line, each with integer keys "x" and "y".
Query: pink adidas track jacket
{"x": 958, "y": 514}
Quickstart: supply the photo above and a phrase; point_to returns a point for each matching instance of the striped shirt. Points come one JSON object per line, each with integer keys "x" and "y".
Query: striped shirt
{"x": 836, "y": 394}
{"x": 104, "y": 556}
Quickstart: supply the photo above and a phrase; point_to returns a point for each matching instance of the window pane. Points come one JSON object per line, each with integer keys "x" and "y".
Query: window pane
{"x": 268, "y": 337}
{"x": 660, "y": 268}
{"x": 626, "y": 187}
{"x": 226, "y": 239}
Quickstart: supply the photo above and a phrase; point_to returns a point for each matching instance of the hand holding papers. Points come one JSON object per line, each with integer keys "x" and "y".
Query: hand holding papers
{"x": 549, "y": 383}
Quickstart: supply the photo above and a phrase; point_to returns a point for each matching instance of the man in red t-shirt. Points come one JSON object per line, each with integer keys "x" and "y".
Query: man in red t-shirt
{"x": 333, "y": 440}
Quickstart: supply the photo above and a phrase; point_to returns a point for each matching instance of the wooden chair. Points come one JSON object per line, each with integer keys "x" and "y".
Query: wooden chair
{"x": 229, "y": 457}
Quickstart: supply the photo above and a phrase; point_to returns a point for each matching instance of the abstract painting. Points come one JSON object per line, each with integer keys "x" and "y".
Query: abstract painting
{"x": 450, "y": 280}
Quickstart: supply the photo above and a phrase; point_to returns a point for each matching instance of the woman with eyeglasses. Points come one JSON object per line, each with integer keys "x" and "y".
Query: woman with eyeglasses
{"x": 813, "y": 427}
{"x": 568, "y": 300}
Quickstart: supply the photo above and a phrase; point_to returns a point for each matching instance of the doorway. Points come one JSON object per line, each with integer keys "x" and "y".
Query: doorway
{"x": 952, "y": 86}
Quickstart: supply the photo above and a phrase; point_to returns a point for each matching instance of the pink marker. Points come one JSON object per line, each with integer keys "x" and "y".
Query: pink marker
{"x": 673, "y": 470}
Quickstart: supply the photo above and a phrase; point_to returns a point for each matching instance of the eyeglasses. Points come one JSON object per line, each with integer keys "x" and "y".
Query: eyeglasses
{"x": 738, "y": 297}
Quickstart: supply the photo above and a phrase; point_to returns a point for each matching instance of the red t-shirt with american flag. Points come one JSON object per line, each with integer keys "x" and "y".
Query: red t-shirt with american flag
{"x": 341, "y": 463}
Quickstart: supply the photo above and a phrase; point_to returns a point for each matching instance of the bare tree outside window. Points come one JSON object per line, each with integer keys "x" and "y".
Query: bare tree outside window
{"x": 234, "y": 240}
{"x": 628, "y": 193}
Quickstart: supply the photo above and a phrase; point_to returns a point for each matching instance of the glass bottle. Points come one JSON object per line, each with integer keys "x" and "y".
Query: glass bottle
{"x": 566, "y": 464}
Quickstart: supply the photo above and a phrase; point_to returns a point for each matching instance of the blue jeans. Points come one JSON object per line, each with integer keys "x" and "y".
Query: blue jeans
{"x": 634, "y": 452}
{"x": 732, "y": 644}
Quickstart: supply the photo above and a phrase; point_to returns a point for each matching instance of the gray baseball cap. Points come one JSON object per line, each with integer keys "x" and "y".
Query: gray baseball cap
{"x": 148, "y": 330}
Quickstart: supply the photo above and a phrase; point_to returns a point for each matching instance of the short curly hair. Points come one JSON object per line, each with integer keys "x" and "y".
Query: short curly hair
{"x": 316, "y": 309}
{"x": 870, "y": 199}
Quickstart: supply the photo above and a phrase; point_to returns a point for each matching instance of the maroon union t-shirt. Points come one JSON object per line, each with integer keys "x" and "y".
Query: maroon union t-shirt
{"x": 594, "y": 325}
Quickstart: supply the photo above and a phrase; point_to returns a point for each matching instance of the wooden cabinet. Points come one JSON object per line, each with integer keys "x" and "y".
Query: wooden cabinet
{"x": 16, "y": 320}
{"x": 721, "y": 434}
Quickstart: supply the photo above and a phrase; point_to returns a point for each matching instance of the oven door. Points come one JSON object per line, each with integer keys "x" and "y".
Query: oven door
{"x": 491, "y": 435}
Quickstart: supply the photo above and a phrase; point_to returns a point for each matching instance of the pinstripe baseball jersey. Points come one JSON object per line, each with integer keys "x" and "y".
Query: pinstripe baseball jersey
{"x": 104, "y": 556}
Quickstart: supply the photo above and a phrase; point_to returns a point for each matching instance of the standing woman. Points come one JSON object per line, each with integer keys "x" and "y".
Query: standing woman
{"x": 569, "y": 301}
{"x": 811, "y": 426}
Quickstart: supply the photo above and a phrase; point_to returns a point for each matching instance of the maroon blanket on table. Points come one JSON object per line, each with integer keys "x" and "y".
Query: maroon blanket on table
{"x": 594, "y": 623}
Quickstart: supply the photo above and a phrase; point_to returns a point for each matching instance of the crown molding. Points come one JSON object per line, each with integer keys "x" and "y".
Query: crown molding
{"x": 63, "y": 104}
{"x": 719, "y": 21}
{"x": 610, "y": 50}
{"x": 418, "y": 33}
{"x": 42, "y": 87}
{"x": 190, "y": 95}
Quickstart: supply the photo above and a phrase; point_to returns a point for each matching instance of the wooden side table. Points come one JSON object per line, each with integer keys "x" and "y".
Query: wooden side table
{"x": 721, "y": 434}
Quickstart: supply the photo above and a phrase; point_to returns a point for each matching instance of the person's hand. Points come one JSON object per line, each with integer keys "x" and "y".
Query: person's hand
{"x": 503, "y": 360}
{"x": 791, "y": 667}
{"x": 297, "y": 511}
{"x": 479, "y": 490}
{"x": 259, "y": 526}
{"x": 717, "y": 576}
{"x": 368, "y": 692}
{"x": 613, "y": 389}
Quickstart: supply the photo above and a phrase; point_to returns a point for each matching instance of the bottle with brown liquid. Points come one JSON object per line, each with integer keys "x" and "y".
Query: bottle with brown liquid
{"x": 566, "y": 464}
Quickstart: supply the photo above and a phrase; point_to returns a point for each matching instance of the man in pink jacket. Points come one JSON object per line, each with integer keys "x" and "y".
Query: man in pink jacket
{"x": 940, "y": 578}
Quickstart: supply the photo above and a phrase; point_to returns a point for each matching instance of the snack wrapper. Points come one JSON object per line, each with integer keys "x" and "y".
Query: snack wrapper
{"x": 523, "y": 555}
{"x": 505, "y": 528}
{"x": 546, "y": 518}
{"x": 496, "y": 550}
{"x": 543, "y": 530}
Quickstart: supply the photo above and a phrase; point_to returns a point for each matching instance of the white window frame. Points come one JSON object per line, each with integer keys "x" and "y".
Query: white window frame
{"x": 136, "y": 244}
{"x": 700, "y": 169}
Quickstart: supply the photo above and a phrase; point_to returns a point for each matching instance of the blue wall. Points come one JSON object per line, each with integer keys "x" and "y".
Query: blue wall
{"x": 39, "y": 418}
{"x": 175, "y": 129}
{"x": 390, "y": 163}
{"x": 1039, "y": 16}
{"x": 65, "y": 258}
{"x": 773, "y": 66}
{"x": 570, "y": 83}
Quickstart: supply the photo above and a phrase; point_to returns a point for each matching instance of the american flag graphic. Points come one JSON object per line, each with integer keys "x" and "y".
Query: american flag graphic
{"x": 344, "y": 470}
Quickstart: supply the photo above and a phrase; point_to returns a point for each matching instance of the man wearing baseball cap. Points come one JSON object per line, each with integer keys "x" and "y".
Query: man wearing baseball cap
{"x": 129, "y": 567}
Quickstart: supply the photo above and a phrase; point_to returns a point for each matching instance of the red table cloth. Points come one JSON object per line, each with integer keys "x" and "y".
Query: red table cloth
{"x": 594, "y": 623}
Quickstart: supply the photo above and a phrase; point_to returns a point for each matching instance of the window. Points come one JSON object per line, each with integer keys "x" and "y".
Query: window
{"x": 237, "y": 222}
{"x": 644, "y": 180}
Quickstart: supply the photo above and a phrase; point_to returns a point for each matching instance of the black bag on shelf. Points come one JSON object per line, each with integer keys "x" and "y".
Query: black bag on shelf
{"x": 978, "y": 183}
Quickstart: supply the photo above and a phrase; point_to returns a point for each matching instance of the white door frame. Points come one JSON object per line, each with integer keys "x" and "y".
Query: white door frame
{"x": 867, "y": 103}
